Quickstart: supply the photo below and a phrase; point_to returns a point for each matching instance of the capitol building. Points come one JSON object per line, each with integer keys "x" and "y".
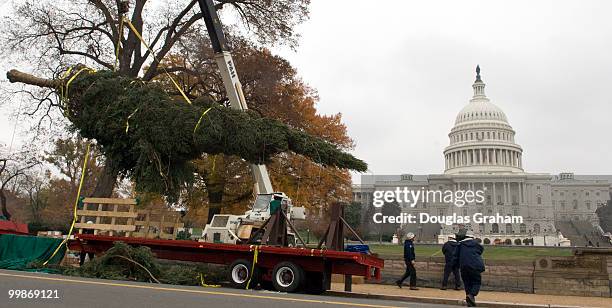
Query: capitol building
{"x": 557, "y": 210}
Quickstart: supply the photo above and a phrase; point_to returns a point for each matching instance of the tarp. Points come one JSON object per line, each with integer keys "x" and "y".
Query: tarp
{"x": 18, "y": 251}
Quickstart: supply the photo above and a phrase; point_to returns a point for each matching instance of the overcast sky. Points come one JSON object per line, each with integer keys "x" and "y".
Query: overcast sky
{"x": 400, "y": 71}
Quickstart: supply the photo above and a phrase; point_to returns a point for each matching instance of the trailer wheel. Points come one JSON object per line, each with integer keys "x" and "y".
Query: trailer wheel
{"x": 287, "y": 277}
{"x": 239, "y": 273}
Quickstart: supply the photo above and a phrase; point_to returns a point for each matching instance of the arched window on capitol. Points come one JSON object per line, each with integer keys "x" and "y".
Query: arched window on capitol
{"x": 536, "y": 228}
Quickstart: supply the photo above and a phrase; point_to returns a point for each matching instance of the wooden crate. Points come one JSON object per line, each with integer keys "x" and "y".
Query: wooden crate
{"x": 163, "y": 224}
{"x": 110, "y": 216}
{"x": 118, "y": 217}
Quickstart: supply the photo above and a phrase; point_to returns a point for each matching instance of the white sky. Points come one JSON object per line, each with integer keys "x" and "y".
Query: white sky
{"x": 400, "y": 71}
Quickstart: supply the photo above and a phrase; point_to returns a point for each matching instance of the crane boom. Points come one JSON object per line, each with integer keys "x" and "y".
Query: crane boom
{"x": 231, "y": 82}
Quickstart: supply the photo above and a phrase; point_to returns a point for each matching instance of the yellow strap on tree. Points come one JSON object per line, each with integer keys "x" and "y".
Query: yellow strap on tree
{"x": 75, "y": 76}
{"x": 64, "y": 88}
{"x": 200, "y": 120}
{"x": 129, "y": 23}
{"x": 76, "y": 203}
{"x": 127, "y": 122}
{"x": 120, "y": 35}
{"x": 176, "y": 85}
{"x": 255, "y": 256}
{"x": 61, "y": 90}
{"x": 64, "y": 75}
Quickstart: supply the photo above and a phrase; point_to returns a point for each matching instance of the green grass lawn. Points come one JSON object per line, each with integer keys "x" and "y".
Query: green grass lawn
{"x": 490, "y": 253}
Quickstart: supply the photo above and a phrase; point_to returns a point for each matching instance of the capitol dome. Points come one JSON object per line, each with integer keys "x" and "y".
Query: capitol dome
{"x": 481, "y": 109}
{"x": 482, "y": 140}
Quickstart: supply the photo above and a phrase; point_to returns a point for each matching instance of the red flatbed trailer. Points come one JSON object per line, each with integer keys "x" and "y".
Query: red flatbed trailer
{"x": 290, "y": 269}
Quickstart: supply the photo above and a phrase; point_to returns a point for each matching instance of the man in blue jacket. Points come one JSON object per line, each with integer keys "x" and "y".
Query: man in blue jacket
{"x": 448, "y": 249}
{"x": 409, "y": 257}
{"x": 468, "y": 256}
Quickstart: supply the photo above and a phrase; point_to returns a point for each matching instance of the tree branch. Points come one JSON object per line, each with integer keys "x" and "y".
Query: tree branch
{"x": 108, "y": 16}
{"x": 169, "y": 43}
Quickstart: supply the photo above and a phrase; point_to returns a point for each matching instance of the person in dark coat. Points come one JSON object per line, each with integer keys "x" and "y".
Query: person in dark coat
{"x": 409, "y": 258}
{"x": 448, "y": 249}
{"x": 468, "y": 257}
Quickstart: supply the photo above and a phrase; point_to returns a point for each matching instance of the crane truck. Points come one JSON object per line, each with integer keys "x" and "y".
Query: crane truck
{"x": 239, "y": 228}
{"x": 256, "y": 246}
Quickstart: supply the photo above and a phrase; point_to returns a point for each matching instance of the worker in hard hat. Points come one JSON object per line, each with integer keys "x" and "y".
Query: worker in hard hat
{"x": 409, "y": 257}
{"x": 468, "y": 257}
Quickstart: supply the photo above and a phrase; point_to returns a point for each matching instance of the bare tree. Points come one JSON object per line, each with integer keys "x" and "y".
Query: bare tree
{"x": 35, "y": 187}
{"x": 51, "y": 34}
{"x": 12, "y": 167}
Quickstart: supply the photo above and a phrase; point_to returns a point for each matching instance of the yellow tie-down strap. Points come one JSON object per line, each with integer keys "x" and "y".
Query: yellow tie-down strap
{"x": 203, "y": 284}
{"x": 255, "y": 257}
{"x": 76, "y": 203}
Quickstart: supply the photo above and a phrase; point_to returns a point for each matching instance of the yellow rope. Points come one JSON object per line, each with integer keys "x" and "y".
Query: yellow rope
{"x": 127, "y": 122}
{"x": 64, "y": 88}
{"x": 119, "y": 36}
{"x": 63, "y": 98}
{"x": 200, "y": 120}
{"x": 64, "y": 75}
{"x": 129, "y": 23}
{"x": 76, "y": 203}
{"x": 202, "y": 283}
{"x": 214, "y": 163}
{"x": 176, "y": 85}
{"x": 255, "y": 257}
{"x": 75, "y": 76}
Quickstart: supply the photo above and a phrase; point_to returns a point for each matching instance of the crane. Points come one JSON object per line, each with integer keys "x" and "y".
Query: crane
{"x": 271, "y": 211}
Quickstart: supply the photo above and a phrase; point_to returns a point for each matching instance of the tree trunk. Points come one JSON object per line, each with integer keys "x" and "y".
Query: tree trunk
{"x": 215, "y": 203}
{"x": 215, "y": 187}
{"x": 106, "y": 182}
{"x": 5, "y": 211}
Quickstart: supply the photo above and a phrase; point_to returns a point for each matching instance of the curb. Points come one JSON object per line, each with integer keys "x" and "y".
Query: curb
{"x": 443, "y": 301}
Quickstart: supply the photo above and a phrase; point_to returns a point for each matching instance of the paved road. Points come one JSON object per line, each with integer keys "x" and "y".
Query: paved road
{"x": 81, "y": 292}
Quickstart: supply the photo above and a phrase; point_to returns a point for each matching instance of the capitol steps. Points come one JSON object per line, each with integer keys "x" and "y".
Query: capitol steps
{"x": 580, "y": 233}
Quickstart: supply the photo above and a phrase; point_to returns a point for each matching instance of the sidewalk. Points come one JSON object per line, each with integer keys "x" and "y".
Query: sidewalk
{"x": 451, "y": 296}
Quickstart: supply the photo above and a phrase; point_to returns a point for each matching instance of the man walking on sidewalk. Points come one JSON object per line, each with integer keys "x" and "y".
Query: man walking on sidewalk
{"x": 468, "y": 257}
{"x": 409, "y": 258}
{"x": 448, "y": 249}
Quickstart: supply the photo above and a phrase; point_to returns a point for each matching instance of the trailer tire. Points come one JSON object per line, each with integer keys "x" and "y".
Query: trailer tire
{"x": 287, "y": 277}
{"x": 240, "y": 273}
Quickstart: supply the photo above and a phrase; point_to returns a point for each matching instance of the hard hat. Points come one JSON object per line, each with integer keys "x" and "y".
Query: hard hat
{"x": 469, "y": 233}
{"x": 90, "y": 222}
{"x": 409, "y": 235}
